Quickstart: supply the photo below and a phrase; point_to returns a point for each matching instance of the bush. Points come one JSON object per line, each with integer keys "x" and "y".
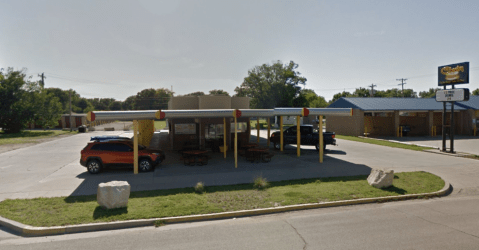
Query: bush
{"x": 260, "y": 183}
{"x": 200, "y": 188}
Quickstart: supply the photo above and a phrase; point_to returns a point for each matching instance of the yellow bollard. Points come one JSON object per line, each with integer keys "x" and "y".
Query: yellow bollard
{"x": 321, "y": 140}
{"x": 257, "y": 129}
{"x": 135, "y": 146}
{"x": 400, "y": 130}
{"x": 281, "y": 132}
{"x": 269, "y": 131}
{"x": 224, "y": 137}
{"x": 298, "y": 136}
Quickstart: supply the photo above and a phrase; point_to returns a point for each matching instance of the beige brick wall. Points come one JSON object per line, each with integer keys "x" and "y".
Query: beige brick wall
{"x": 183, "y": 102}
{"x": 379, "y": 126}
{"x": 351, "y": 125}
{"x": 214, "y": 102}
{"x": 240, "y": 102}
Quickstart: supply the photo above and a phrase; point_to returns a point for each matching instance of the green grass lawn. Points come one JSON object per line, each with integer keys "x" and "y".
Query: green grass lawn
{"x": 177, "y": 202}
{"x": 30, "y": 136}
{"x": 160, "y": 125}
{"x": 382, "y": 143}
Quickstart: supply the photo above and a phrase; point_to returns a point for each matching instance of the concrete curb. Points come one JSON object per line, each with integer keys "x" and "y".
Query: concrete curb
{"x": 456, "y": 154}
{"x": 401, "y": 142}
{"x": 26, "y": 230}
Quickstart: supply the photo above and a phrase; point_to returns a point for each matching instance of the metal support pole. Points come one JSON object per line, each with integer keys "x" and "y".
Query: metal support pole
{"x": 444, "y": 125}
{"x": 321, "y": 142}
{"x": 257, "y": 128}
{"x": 224, "y": 137}
{"x": 135, "y": 146}
{"x": 298, "y": 137}
{"x": 71, "y": 123}
{"x": 236, "y": 145}
{"x": 269, "y": 130}
{"x": 281, "y": 132}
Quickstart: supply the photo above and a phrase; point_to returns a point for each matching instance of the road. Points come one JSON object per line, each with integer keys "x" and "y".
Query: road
{"x": 450, "y": 222}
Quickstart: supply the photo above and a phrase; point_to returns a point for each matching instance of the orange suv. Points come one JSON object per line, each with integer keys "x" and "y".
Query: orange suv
{"x": 100, "y": 154}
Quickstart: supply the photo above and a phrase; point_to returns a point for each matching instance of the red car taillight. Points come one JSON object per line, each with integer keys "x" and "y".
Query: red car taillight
{"x": 334, "y": 136}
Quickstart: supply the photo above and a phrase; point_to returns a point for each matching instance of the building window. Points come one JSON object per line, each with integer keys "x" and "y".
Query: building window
{"x": 185, "y": 129}
{"x": 214, "y": 131}
{"x": 240, "y": 126}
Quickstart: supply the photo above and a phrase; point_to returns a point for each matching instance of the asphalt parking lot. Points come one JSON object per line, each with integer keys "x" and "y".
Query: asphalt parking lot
{"x": 52, "y": 168}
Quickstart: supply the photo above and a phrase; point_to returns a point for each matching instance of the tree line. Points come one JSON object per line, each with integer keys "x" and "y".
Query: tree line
{"x": 268, "y": 86}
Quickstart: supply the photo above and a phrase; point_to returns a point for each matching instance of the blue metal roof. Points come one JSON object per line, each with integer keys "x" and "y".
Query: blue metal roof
{"x": 393, "y": 103}
{"x": 473, "y": 103}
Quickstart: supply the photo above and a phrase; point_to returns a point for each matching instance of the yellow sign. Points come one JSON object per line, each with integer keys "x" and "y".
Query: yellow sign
{"x": 452, "y": 73}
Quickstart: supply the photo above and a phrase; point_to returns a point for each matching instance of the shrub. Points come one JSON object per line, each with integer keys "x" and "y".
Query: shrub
{"x": 260, "y": 182}
{"x": 200, "y": 188}
{"x": 159, "y": 223}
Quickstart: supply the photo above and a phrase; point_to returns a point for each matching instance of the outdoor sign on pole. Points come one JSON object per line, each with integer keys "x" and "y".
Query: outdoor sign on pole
{"x": 452, "y": 95}
{"x": 450, "y": 75}
{"x": 453, "y": 74}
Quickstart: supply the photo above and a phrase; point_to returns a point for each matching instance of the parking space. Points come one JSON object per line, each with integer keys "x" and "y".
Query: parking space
{"x": 52, "y": 169}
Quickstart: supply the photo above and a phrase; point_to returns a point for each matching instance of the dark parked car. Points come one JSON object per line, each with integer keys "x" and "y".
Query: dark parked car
{"x": 101, "y": 154}
{"x": 308, "y": 137}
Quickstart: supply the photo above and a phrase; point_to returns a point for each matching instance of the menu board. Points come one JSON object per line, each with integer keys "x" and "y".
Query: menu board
{"x": 185, "y": 129}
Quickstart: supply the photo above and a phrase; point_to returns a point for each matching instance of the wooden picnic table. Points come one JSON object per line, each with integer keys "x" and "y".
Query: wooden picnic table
{"x": 259, "y": 153}
{"x": 191, "y": 157}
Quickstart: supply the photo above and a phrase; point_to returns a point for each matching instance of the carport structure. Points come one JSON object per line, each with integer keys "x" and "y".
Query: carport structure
{"x": 379, "y": 116}
{"x": 143, "y": 122}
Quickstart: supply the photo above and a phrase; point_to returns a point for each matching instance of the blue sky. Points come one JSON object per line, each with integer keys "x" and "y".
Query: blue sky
{"x": 114, "y": 49}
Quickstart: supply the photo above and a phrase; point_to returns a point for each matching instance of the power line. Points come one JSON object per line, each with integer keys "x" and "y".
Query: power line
{"x": 43, "y": 79}
{"x": 372, "y": 89}
{"x": 402, "y": 84}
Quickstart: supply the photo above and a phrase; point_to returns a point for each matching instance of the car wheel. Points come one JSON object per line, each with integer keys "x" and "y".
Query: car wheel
{"x": 317, "y": 146}
{"x": 93, "y": 166}
{"x": 145, "y": 165}
{"x": 277, "y": 146}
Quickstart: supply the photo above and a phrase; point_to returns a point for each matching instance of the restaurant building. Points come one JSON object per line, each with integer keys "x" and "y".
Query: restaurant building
{"x": 376, "y": 116}
{"x": 207, "y": 132}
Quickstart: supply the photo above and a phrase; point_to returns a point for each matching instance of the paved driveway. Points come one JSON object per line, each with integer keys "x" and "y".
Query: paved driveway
{"x": 464, "y": 144}
{"x": 53, "y": 169}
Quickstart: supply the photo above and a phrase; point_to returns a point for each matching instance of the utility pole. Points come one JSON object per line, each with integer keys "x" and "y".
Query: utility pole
{"x": 402, "y": 84}
{"x": 372, "y": 89}
{"x": 71, "y": 125}
{"x": 42, "y": 84}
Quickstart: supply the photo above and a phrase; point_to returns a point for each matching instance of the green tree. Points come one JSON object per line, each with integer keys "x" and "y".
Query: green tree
{"x": 197, "y": 93}
{"x": 341, "y": 94}
{"x": 47, "y": 109}
{"x": 475, "y": 92}
{"x": 218, "y": 92}
{"x": 115, "y": 105}
{"x": 274, "y": 85}
{"x": 428, "y": 94}
{"x": 98, "y": 104}
{"x": 64, "y": 98}
{"x": 151, "y": 99}
{"x": 313, "y": 100}
{"x": 16, "y": 108}
{"x": 129, "y": 103}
